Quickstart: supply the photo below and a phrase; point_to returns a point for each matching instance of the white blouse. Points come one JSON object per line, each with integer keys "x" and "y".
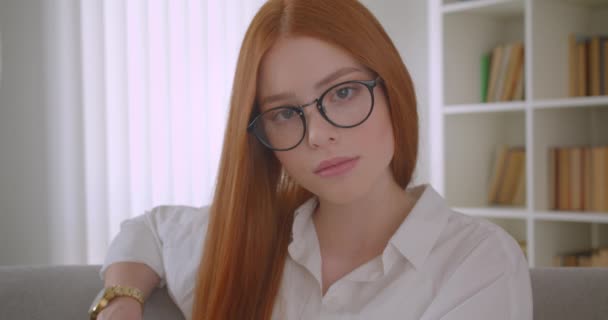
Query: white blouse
{"x": 439, "y": 264}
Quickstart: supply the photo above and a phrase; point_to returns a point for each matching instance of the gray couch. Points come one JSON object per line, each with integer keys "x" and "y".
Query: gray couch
{"x": 66, "y": 292}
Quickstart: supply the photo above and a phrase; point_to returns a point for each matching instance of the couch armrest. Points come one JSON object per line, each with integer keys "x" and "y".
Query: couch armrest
{"x": 64, "y": 292}
{"x": 570, "y": 293}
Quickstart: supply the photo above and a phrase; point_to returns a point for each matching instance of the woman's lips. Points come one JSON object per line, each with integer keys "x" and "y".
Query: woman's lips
{"x": 339, "y": 168}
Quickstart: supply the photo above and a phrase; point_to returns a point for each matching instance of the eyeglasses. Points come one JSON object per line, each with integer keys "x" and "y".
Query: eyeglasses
{"x": 344, "y": 105}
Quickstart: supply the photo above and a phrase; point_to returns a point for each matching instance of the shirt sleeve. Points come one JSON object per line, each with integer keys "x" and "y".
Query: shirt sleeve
{"x": 138, "y": 240}
{"x": 493, "y": 282}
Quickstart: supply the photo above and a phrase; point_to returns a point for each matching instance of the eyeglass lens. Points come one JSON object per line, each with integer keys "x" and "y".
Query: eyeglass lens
{"x": 345, "y": 105}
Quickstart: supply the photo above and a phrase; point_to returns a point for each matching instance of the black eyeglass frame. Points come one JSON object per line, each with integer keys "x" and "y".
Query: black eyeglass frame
{"x": 299, "y": 109}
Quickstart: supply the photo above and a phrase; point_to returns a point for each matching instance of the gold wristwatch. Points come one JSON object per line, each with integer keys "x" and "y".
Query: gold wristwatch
{"x": 107, "y": 294}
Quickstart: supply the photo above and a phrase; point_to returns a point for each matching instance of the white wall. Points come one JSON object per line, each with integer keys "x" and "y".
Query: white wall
{"x": 34, "y": 217}
{"x": 41, "y": 185}
{"x": 24, "y": 236}
{"x": 406, "y": 23}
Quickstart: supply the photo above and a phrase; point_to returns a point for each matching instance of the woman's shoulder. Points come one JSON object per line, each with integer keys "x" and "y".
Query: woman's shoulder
{"x": 179, "y": 214}
{"x": 476, "y": 241}
{"x": 476, "y": 266}
{"x": 176, "y": 223}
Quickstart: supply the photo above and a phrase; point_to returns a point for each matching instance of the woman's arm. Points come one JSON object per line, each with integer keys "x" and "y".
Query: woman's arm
{"x": 131, "y": 274}
{"x": 134, "y": 259}
{"x": 139, "y": 243}
{"x": 161, "y": 247}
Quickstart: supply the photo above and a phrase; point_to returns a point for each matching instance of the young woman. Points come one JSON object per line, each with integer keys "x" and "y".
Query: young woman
{"x": 313, "y": 216}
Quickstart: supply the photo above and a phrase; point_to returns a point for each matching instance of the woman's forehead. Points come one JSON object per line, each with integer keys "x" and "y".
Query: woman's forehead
{"x": 299, "y": 65}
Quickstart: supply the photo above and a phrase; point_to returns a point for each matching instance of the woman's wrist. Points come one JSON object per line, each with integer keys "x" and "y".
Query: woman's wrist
{"x": 122, "y": 308}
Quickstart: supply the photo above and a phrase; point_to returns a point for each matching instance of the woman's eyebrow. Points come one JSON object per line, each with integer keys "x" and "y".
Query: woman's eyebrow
{"x": 276, "y": 97}
{"x": 324, "y": 82}
{"x": 336, "y": 75}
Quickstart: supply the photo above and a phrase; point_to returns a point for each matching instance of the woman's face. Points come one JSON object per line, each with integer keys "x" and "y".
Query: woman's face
{"x": 293, "y": 68}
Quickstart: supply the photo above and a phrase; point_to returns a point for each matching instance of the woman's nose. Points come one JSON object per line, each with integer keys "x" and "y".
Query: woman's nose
{"x": 319, "y": 132}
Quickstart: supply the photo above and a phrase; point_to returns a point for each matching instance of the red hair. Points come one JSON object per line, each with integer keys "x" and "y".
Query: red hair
{"x": 252, "y": 210}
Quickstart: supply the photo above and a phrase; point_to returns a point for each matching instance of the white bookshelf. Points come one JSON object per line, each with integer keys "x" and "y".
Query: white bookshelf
{"x": 465, "y": 132}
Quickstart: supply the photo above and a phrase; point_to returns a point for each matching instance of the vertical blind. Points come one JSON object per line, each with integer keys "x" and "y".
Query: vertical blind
{"x": 156, "y": 79}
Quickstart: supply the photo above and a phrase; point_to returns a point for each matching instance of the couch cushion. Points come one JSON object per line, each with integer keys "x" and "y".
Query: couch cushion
{"x": 63, "y": 292}
{"x": 570, "y": 293}
{"x": 66, "y": 292}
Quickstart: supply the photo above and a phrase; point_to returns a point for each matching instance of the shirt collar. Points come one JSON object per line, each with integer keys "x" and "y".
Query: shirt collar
{"x": 413, "y": 240}
{"x": 418, "y": 233}
{"x": 304, "y": 247}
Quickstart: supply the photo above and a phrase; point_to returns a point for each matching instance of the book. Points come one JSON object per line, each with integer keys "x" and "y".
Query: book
{"x": 485, "y": 76}
{"x": 594, "y": 66}
{"x": 600, "y": 258}
{"x": 587, "y": 65}
{"x": 502, "y": 72}
{"x": 605, "y": 182}
{"x": 572, "y": 66}
{"x": 508, "y": 178}
{"x": 594, "y": 257}
{"x": 552, "y": 173}
{"x": 513, "y": 173}
{"x": 587, "y": 180}
{"x": 500, "y": 159}
{"x": 519, "y": 196}
{"x": 578, "y": 62}
{"x": 598, "y": 155}
{"x": 495, "y": 63}
{"x": 563, "y": 179}
{"x": 604, "y": 55}
{"x": 518, "y": 94}
{"x": 516, "y": 58}
{"x": 581, "y": 51}
{"x": 576, "y": 178}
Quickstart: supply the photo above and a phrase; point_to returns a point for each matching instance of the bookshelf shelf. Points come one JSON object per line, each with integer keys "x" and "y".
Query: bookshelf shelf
{"x": 484, "y": 107}
{"x": 490, "y": 212}
{"x": 590, "y": 3}
{"x": 494, "y": 8}
{"x": 466, "y": 133}
{"x": 599, "y": 101}
{"x": 572, "y": 216}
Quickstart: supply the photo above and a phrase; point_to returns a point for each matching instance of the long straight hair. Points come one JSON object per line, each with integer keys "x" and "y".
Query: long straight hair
{"x": 252, "y": 210}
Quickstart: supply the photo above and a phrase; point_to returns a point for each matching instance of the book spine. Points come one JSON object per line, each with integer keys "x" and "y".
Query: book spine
{"x": 581, "y": 51}
{"x": 598, "y": 178}
{"x": 605, "y": 66}
{"x": 572, "y": 66}
{"x": 498, "y": 174}
{"x": 502, "y": 73}
{"x": 508, "y": 76}
{"x": 576, "y": 177}
{"x": 494, "y": 71}
{"x": 564, "y": 179}
{"x": 605, "y": 179}
{"x": 587, "y": 177}
{"x": 485, "y": 75}
{"x": 552, "y": 175}
{"x": 594, "y": 66}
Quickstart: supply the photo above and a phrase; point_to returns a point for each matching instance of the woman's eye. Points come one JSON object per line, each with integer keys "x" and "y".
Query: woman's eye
{"x": 282, "y": 115}
{"x": 344, "y": 93}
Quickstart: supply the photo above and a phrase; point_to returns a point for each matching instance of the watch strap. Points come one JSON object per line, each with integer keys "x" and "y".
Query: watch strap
{"x": 124, "y": 291}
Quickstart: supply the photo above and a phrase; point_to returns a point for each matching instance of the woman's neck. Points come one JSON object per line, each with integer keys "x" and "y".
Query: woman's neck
{"x": 365, "y": 225}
